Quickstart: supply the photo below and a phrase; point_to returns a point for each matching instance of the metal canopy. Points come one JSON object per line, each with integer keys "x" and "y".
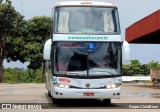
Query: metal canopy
{"x": 146, "y": 30}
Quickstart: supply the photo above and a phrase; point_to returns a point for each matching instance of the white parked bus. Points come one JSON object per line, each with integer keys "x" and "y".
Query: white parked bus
{"x": 83, "y": 59}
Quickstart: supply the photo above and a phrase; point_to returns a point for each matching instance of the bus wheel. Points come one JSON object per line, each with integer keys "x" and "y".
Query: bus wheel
{"x": 55, "y": 101}
{"x": 106, "y": 101}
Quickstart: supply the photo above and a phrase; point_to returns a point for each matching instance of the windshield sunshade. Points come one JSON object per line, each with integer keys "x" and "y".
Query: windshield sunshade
{"x": 97, "y": 20}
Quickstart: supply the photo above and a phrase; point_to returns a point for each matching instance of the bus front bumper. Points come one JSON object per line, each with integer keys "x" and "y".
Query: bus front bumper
{"x": 62, "y": 93}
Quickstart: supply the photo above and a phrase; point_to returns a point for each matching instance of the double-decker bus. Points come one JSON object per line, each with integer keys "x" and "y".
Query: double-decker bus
{"x": 83, "y": 58}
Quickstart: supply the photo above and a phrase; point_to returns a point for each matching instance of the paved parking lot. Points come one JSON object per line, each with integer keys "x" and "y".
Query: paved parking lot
{"x": 37, "y": 93}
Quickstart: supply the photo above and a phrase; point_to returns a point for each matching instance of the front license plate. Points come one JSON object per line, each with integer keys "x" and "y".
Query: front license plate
{"x": 88, "y": 94}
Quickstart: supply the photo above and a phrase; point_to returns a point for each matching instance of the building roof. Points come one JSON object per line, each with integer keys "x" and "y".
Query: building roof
{"x": 146, "y": 30}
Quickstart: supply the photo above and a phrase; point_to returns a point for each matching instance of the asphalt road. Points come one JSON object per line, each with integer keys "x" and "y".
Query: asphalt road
{"x": 37, "y": 93}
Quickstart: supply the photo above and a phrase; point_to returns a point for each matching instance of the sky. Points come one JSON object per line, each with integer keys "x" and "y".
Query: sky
{"x": 130, "y": 11}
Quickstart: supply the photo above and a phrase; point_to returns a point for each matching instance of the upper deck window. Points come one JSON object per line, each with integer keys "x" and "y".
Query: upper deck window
{"x": 89, "y": 20}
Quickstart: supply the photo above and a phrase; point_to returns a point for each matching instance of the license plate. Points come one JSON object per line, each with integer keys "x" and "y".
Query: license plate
{"x": 88, "y": 94}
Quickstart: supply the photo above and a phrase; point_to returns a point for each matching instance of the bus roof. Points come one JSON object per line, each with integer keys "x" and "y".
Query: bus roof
{"x": 84, "y": 3}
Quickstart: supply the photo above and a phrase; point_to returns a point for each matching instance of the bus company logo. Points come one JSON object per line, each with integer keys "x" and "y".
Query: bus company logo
{"x": 64, "y": 80}
{"x": 87, "y": 85}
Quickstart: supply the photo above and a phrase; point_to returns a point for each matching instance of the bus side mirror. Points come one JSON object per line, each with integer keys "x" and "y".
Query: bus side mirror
{"x": 126, "y": 51}
{"x": 47, "y": 50}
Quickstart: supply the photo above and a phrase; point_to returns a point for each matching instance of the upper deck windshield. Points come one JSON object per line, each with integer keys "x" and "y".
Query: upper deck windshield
{"x": 87, "y": 58}
{"x": 91, "y": 19}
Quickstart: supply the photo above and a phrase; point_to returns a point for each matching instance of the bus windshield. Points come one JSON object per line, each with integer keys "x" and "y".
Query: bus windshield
{"x": 87, "y": 58}
{"x": 95, "y": 20}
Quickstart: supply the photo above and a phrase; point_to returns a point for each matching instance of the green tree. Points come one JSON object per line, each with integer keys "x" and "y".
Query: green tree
{"x": 39, "y": 31}
{"x": 125, "y": 69}
{"x": 154, "y": 65}
{"x": 136, "y": 68}
{"x": 12, "y": 34}
{"x": 145, "y": 69}
{"x": 18, "y": 75}
{"x": 135, "y": 63}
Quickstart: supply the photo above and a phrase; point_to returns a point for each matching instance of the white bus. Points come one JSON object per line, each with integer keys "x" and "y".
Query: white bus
{"x": 83, "y": 58}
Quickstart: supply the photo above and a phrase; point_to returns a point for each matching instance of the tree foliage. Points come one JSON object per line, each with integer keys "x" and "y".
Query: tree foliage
{"x": 39, "y": 31}
{"x": 136, "y": 69}
{"x": 23, "y": 76}
{"x": 154, "y": 65}
{"x": 13, "y": 32}
{"x": 20, "y": 39}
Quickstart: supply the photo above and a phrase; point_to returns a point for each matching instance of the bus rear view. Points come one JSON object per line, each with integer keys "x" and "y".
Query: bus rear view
{"x": 85, "y": 52}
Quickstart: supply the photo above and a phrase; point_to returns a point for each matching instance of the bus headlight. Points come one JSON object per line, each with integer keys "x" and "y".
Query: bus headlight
{"x": 110, "y": 86}
{"x": 62, "y": 85}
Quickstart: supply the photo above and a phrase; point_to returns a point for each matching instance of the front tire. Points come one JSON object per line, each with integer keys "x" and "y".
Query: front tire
{"x": 55, "y": 101}
{"x": 106, "y": 101}
{"x": 49, "y": 93}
